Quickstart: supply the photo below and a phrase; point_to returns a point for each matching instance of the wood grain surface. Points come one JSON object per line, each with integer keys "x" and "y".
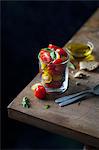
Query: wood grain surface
{"x": 80, "y": 122}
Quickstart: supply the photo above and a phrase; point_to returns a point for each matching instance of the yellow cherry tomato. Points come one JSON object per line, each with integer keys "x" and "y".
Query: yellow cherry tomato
{"x": 57, "y": 55}
{"x": 34, "y": 86}
{"x": 47, "y": 78}
{"x": 42, "y": 64}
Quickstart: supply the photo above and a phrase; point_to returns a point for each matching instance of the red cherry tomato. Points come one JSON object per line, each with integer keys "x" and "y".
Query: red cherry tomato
{"x": 53, "y": 46}
{"x": 60, "y": 68}
{"x": 58, "y": 61}
{"x": 42, "y": 51}
{"x": 45, "y": 56}
{"x": 54, "y": 84}
{"x": 40, "y": 92}
{"x": 61, "y": 52}
{"x": 50, "y": 66}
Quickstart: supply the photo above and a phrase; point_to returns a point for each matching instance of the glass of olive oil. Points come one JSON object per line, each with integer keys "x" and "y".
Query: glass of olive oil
{"x": 80, "y": 50}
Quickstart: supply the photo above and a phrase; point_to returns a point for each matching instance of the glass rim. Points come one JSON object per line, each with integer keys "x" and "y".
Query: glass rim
{"x": 66, "y": 61}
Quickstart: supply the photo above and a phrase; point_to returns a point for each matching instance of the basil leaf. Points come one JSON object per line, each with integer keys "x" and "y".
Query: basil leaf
{"x": 25, "y": 102}
{"x": 47, "y": 106}
{"x": 53, "y": 55}
{"x": 71, "y": 65}
{"x": 38, "y": 55}
{"x": 48, "y": 49}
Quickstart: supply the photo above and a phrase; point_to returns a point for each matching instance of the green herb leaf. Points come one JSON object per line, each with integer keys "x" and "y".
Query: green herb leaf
{"x": 38, "y": 55}
{"x": 48, "y": 49}
{"x": 70, "y": 65}
{"x": 53, "y": 55}
{"x": 25, "y": 102}
{"x": 47, "y": 106}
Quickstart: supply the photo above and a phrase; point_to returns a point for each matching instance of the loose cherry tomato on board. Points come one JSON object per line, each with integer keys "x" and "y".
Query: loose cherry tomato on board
{"x": 61, "y": 52}
{"x": 34, "y": 86}
{"x": 58, "y": 61}
{"x": 40, "y": 92}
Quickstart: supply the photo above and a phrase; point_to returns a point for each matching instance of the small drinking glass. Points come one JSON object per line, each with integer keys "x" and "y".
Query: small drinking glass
{"x": 54, "y": 77}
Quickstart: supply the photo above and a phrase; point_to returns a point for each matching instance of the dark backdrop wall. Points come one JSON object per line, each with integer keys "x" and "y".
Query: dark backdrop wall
{"x": 27, "y": 27}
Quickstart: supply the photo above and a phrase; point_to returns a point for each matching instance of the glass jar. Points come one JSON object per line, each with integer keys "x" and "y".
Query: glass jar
{"x": 54, "y": 77}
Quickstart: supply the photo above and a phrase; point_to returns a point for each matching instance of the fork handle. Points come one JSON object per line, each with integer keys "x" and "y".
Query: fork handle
{"x": 64, "y": 103}
{"x": 65, "y": 98}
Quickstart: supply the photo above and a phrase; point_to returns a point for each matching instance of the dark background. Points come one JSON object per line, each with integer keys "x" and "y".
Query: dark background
{"x": 27, "y": 27}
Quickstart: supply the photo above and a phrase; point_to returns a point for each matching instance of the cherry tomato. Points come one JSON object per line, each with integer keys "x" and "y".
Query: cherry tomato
{"x": 40, "y": 92}
{"x": 47, "y": 78}
{"x": 61, "y": 52}
{"x": 58, "y": 61}
{"x": 54, "y": 84}
{"x": 60, "y": 68}
{"x": 50, "y": 67}
{"x": 34, "y": 86}
{"x": 42, "y": 51}
{"x": 45, "y": 56}
{"x": 57, "y": 77}
{"x": 53, "y": 46}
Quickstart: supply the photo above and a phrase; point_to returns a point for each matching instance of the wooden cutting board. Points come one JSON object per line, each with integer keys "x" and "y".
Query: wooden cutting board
{"x": 77, "y": 121}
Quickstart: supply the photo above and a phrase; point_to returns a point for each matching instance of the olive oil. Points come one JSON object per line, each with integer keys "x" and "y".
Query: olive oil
{"x": 80, "y": 50}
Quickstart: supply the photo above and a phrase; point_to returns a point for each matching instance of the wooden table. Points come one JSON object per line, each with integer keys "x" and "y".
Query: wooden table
{"x": 80, "y": 122}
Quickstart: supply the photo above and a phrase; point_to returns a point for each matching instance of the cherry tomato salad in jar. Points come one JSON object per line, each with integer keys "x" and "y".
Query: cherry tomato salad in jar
{"x": 53, "y": 68}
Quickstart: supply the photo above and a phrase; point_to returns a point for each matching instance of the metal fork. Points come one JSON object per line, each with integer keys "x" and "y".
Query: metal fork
{"x": 71, "y": 98}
